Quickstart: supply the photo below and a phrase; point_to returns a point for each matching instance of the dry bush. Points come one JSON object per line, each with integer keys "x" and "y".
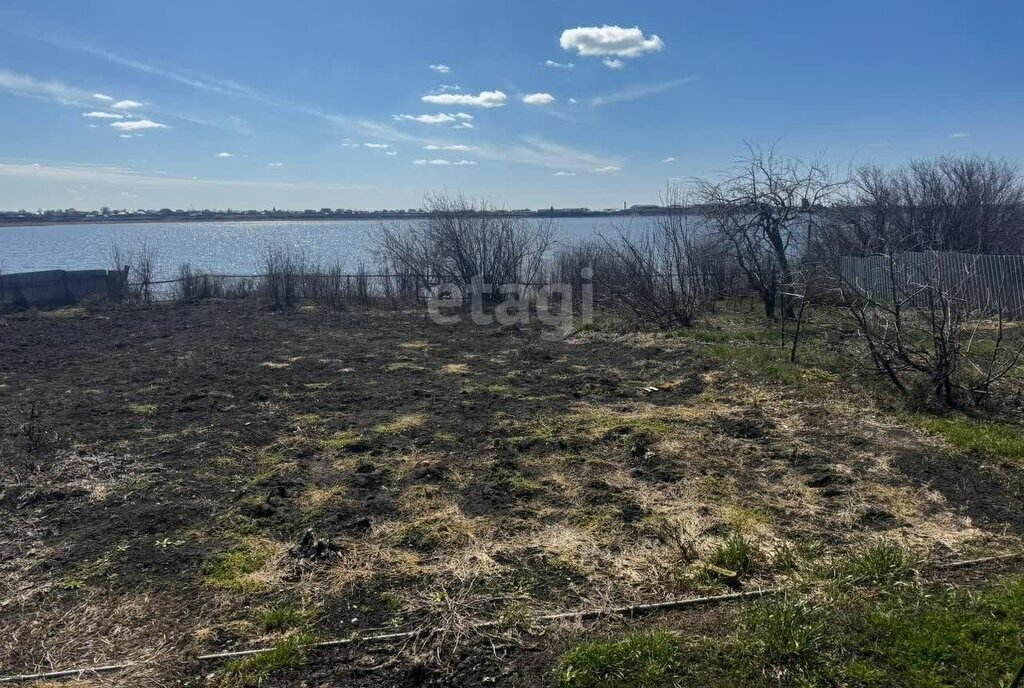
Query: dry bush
{"x": 926, "y": 333}
{"x": 465, "y": 242}
{"x": 665, "y": 274}
{"x": 282, "y": 272}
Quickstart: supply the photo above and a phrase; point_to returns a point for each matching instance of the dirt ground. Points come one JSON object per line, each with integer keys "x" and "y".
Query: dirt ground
{"x": 159, "y": 468}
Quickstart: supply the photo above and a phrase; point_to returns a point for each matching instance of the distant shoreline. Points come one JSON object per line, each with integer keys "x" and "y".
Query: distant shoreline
{"x": 175, "y": 219}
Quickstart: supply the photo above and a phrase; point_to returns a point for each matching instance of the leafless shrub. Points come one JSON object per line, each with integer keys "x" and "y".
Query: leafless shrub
{"x": 282, "y": 272}
{"x": 973, "y": 205}
{"x": 462, "y": 241}
{"x": 929, "y": 324}
{"x": 658, "y": 275}
{"x": 139, "y": 265}
{"x": 193, "y": 285}
{"x": 925, "y": 333}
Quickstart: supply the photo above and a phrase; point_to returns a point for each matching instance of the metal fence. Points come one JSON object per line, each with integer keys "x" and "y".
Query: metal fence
{"x": 59, "y": 287}
{"x": 992, "y": 283}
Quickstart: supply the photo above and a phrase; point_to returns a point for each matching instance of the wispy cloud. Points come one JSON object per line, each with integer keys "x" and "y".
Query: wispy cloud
{"x": 485, "y": 99}
{"x": 669, "y": 159}
{"x": 443, "y": 163}
{"x": 558, "y": 65}
{"x": 453, "y": 147}
{"x": 275, "y": 164}
{"x": 127, "y": 105}
{"x": 102, "y": 115}
{"x": 225, "y": 154}
{"x": 613, "y": 63}
{"x": 138, "y": 124}
{"x": 441, "y": 68}
{"x": 391, "y": 153}
{"x": 439, "y": 118}
{"x": 638, "y": 91}
{"x": 596, "y": 41}
{"x": 376, "y": 145}
{"x": 608, "y": 169}
{"x": 563, "y": 173}
{"x": 104, "y": 97}
{"x": 122, "y": 176}
{"x": 538, "y": 99}
{"x": 528, "y": 150}
{"x": 960, "y": 135}
{"x": 52, "y": 90}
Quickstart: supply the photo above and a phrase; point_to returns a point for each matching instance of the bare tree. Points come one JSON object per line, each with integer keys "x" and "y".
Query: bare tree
{"x": 759, "y": 210}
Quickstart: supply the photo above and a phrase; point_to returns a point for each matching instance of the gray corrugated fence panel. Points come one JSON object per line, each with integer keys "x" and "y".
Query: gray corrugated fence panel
{"x": 993, "y": 283}
{"x": 57, "y": 287}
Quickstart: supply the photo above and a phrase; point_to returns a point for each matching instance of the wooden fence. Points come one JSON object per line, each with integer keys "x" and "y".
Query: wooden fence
{"x": 993, "y": 283}
{"x": 59, "y": 287}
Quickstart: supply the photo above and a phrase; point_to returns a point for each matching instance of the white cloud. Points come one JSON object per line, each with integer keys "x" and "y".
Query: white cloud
{"x": 563, "y": 173}
{"x": 455, "y": 147}
{"x": 607, "y": 169}
{"x": 103, "y": 96}
{"x": 137, "y": 124}
{"x": 538, "y": 99}
{"x": 613, "y": 63}
{"x": 669, "y": 159}
{"x": 639, "y": 91}
{"x": 449, "y": 87}
{"x": 275, "y": 164}
{"x": 102, "y": 115}
{"x": 558, "y": 65}
{"x": 392, "y": 153}
{"x": 376, "y": 145}
{"x": 485, "y": 99}
{"x": 225, "y": 155}
{"x": 959, "y": 135}
{"x": 463, "y": 125}
{"x": 572, "y": 101}
{"x": 596, "y": 41}
{"x": 441, "y": 162}
{"x": 439, "y": 118}
{"x": 126, "y": 105}
{"x": 126, "y": 136}
{"x": 441, "y": 68}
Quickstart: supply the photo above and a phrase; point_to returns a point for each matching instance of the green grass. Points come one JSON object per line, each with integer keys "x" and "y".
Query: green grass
{"x": 143, "y": 409}
{"x": 641, "y": 660}
{"x": 255, "y": 669}
{"x": 941, "y": 638}
{"x": 342, "y": 440}
{"x": 897, "y": 636}
{"x": 735, "y": 557}
{"x": 785, "y": 632}
{"x": 280, "y": 617}
{"x": 880, "y": 563}
{"x": 233, "y": 570}
{"x": 991, "y": 439}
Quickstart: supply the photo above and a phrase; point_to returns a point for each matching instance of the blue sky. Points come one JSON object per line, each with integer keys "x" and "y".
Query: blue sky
{"x": 260, "y": 104}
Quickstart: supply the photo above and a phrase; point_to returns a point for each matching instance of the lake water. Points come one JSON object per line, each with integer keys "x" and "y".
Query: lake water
{"x": 223, "y": 247}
